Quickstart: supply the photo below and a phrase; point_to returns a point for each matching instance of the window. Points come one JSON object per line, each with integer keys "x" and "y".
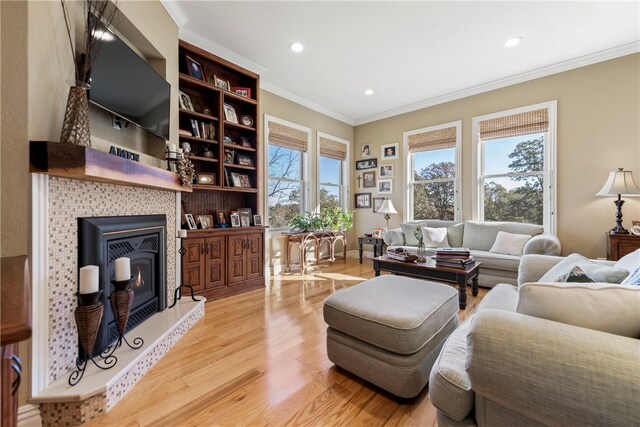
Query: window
{"x": 432, "y": 172}
{"x": 514, "y": 152}
{"x": 332, "y": 171}
{"x": 286, "y": 167}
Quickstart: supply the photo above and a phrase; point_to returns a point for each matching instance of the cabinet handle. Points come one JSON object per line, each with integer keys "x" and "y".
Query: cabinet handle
{"x": 17, "y": 368}
{"x": 207, "y": 247}
{"x": 201, "y": 249}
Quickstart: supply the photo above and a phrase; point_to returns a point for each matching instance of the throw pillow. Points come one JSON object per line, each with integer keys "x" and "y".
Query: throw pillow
{"x": 597, "y": 272}
{"x": 576, "y": 275}
{"x": 509, "y": 243}
{"x": 409, "y": 231}
{"x": 435, "y": 237}
{"x": 633, "y": 278}
{"x": 603, "y": 307}
{"x": 630, "y": 261}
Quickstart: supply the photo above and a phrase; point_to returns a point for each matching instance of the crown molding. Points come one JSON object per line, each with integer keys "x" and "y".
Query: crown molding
{"x": 277, "y": 90}
{"x": 175, "y": 12}
{"x": 559, "y": 67}
{"x": 222, "y": 52}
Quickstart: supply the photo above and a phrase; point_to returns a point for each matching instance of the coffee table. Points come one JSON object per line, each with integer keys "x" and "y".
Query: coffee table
{"x": 428, "y": 270}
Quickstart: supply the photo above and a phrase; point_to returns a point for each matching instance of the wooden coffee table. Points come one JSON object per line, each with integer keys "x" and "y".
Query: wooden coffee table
{"x": 428, "y": 270}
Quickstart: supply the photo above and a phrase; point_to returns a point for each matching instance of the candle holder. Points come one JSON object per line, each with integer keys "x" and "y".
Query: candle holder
{"x": 121, "y": 299}
{"x": 88, "y": 316}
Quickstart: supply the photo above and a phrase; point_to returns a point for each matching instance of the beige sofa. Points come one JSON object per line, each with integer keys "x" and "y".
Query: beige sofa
{"x": 501, "y": 367}
{"x": 479, "y": 238}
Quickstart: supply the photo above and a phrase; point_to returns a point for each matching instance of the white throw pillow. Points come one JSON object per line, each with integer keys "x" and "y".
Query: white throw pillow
{"x": 630, "y": 261}
{"x": 600, "y": 306}
{"x": 597, "y": 272}
{"x": 509, "y": 243}
{"x": 435, "y": 237}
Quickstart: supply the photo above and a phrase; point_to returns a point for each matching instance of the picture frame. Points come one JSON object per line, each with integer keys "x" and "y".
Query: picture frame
{"x": 194, "y": 69}
{"x": 377, "y": 203}
{"x": 230, "y": 113}
{"x": 386, "y": 171}
{"x": 191, "y": 223}
{"x": 385, "y": 186}
{"x": 244, "y": 141}
{"x": 366, "y": 151}
{"x": 185, "y": 101}
{"x": 235, "y": 179}
{"x": 235, "y": 219}
{"x": 377, "y": 232}
{"x": 363, "y": 200}
{"x": 229, "y": 156}
{"x": 366, "y": 164}
{"x": 207, "y": 178}
{"x": 369, "y": 179}
{"x": 242, "y": 91}
{"x": 245, "y": 219}
{"x": 222, "y": 220}
{"x": 245, "y": 181}
{"x": 246, "y": 120}
{"x": 244, "y": 160}
{"x": 246, "y": 212}
{"x": 205, "y": 221}
{"x": 222, "y": 84}
{"x": 389, "y": 151}
{"x": 257, "y": 220}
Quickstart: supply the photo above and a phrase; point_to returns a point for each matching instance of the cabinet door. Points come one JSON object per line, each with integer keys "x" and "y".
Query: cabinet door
{"x": 254, "y": 256}
{"x": 237, "y": 264}
{"x": 193, "y": 263}
{"x": 214, "y": 259}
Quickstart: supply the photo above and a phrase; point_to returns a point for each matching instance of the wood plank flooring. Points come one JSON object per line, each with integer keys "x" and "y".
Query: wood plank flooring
{"x": 259, "y": 359}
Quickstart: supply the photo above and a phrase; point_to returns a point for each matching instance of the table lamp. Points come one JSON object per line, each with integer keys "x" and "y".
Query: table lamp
{"x": 619, "y": 183}
{"x": 387, "y": 208}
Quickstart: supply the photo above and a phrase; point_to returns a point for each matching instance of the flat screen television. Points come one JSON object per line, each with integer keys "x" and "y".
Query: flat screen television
{"x": 125, "y": 85}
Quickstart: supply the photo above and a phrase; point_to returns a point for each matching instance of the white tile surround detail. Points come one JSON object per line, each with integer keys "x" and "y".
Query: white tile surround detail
{"x": 56, "y": 205}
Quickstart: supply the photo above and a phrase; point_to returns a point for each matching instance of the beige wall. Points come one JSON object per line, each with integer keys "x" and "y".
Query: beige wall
{"x": 281, "y": 108}
{"x": 598, "y": 130}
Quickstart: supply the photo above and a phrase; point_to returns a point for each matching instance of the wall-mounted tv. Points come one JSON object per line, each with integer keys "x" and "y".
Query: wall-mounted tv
{"x": 125, "y": 85}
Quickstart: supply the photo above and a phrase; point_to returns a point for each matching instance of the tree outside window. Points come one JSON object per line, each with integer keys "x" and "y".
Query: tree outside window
{"x": 330, "y": 183}
{"x": 433, "y": 184}
{"x": 285, "y": 185}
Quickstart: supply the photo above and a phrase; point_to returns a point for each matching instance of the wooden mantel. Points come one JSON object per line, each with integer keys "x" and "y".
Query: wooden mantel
{"x": 85, "y": 163}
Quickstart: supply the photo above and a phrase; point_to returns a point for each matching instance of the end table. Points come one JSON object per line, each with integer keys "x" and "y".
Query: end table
{"x": 377, "y": 242}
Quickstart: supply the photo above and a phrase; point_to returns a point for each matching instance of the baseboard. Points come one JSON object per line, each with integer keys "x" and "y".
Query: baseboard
{"x": 29, "y": 416}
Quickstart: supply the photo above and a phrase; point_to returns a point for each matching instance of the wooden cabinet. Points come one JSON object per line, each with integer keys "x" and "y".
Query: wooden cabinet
{"x": 621, "y": 245}
{"x": 225, "y": 261}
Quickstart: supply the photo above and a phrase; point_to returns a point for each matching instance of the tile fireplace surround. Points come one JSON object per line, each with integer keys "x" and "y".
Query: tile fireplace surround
{"x": 57, "y": 203}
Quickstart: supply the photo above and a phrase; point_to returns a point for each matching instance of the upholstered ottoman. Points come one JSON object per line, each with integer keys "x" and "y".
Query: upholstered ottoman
{"x": 389, "y": 330}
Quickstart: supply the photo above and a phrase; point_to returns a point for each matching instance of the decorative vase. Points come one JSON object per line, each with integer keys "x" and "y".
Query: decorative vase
{"x": 88, "y": 316}
{"x": 121, "y": 299}
{"x": 75, "y": 126}
{"x": 422, "y": 252}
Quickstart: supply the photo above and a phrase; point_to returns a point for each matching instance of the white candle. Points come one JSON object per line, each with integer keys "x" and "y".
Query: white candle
{"x": 89, "y": 279}
{"x": 182, "y": 234}
{"x": 172, "y": 151}
{"x": 123, "y": 269}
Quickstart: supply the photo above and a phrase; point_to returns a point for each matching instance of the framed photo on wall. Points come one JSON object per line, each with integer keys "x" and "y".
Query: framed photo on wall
{"x": 366, "y": 164}
{"x": 386, "y": 171}
{"x": 366, "y": 150}
{"x": 385, "y": 186}
{"x": 369, "y": 179}
{"x": 363, "y": 200}
{"x": 377, "y": 202}
{"x": 389, "y": 151}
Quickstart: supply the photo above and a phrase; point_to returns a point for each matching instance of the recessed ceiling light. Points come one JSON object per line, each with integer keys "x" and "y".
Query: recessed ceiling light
{"x": 368, "y": 92}
{"x": 513, "y": 42}
{"x": 296, "y": 47}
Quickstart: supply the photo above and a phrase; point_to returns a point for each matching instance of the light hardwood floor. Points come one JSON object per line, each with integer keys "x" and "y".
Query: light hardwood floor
{"x": 259, "y": 359}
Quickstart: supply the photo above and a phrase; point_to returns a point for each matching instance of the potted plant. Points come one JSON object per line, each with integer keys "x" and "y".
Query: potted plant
{"x": 306, "y": 222}
{"x": 337, "y": 219}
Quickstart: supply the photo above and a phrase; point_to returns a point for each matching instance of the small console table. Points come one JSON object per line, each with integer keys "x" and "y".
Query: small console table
{"x": 377, "y": 242}
{"x": 314, "y": 240}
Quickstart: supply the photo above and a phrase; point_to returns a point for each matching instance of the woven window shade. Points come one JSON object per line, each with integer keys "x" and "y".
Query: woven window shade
{"x": 433, "y": 140}
{"x": 515, "y": 125}
{"x": 333, "y": 149}
{"x": 288, "y": 137}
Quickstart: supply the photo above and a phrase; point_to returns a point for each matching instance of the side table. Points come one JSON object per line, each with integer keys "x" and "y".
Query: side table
{"x": 377, "y": 242}
{"x": 621, "y": 244}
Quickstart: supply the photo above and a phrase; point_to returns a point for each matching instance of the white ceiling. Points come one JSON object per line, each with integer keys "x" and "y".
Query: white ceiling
{"x": 412, "y": 54}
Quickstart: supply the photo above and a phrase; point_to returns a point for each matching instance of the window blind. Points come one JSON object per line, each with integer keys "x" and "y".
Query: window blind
{"x": 333, "y": 149}
{"x": 432, "y": 140}
{"x": 288, "y": 137}
{"x": 515, "y": 125}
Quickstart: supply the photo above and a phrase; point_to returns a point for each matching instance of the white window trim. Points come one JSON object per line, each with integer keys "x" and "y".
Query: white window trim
{"x": 344, "y": 187}
{"x": 549, "y": 216}
{"x": 304, "y": 205}
{"x": 408, "y": 169}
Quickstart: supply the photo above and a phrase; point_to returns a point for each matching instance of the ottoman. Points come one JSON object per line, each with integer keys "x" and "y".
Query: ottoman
{"x": 389, "y": 330}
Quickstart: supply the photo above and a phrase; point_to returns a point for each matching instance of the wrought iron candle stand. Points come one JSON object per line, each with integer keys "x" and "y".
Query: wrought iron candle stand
{"x": 88, "y": 316}
{"x": 177, "y": 295}
{"x": 121, "y": 299}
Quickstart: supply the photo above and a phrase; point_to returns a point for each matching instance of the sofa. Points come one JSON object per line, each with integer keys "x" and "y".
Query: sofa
{"x": 479, "y": 237}
{"x": 569, "y": 358}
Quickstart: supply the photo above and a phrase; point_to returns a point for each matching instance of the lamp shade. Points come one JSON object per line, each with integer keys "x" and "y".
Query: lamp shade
{"x": 619, "y": 182}
{"x": 387, "y": 207}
